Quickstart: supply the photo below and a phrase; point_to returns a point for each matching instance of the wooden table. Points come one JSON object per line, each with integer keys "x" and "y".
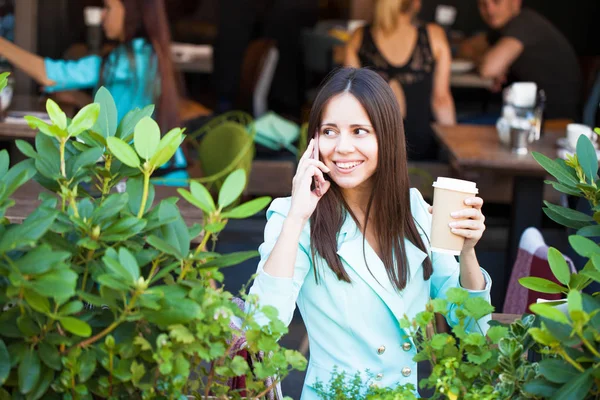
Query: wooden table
{"x": 26, "y": 201}
{"x": 476, "y": 147}
{"x": 12, "y": 131}
{"x": 470, "y": 80}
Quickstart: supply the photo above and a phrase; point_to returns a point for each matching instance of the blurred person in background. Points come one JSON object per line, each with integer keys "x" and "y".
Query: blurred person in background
{"x": 137, "y": 72}
{"x": 522, "y": 45}
{"x": 414, "y": 59}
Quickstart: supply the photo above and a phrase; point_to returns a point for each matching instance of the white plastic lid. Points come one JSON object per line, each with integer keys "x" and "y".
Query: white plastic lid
{"x": 457, "y": 185}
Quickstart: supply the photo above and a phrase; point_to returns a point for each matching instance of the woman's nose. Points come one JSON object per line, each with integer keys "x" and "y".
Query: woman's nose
{"x": 344, "y": 144}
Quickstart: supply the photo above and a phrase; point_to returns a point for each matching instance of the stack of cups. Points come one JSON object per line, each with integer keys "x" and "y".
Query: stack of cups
{"x": 449, "y": 195}
{"x": 93, "y": 21}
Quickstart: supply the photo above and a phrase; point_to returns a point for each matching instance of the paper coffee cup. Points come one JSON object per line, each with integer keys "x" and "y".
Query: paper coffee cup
{"x": 449, "y": 195}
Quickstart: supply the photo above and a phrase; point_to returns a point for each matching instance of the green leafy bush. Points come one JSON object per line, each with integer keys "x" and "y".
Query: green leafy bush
{"x": 100, "y": 294}
{"x": 570, "y": 340}
{"x": 464, "y": 365}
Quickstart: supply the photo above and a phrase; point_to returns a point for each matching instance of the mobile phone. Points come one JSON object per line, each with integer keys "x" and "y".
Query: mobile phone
{"x": 315, "y": 156}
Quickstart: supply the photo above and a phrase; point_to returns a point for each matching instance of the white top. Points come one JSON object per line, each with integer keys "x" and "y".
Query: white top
{"x": 457, "y": 185}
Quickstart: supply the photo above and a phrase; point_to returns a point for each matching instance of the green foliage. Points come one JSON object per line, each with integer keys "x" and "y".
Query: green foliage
{"x": 341, "y": 387}
{"x": 101, "y": 296}
{"x": 570, "y": 338}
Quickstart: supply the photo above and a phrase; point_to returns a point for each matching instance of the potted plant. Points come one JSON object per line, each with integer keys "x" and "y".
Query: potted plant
{"x": 571, "y": 341}
{"x": 464, "y": 365}
{"x": 100, "y": 294}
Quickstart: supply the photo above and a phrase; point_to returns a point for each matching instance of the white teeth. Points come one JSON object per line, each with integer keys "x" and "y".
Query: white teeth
{"x": 348, "y": 165}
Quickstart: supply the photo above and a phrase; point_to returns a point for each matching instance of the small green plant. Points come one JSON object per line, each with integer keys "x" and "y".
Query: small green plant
{"x": 103, "y": 295}
{"x": 466, "y": 364}
{"x": 340, "y": 387}
{"x": 571, "y": 340}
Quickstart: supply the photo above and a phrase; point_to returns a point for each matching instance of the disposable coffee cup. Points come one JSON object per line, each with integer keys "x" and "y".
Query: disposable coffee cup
{"x": 449, "y": 195}
{"x": 92, "y": 16}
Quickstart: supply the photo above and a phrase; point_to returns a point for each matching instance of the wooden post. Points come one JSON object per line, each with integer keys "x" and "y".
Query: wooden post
{"x": 26, "y": 12}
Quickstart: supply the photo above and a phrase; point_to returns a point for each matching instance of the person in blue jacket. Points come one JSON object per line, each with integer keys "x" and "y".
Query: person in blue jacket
{"x": 137, "y": 72}
{"x": 354, "y": 254}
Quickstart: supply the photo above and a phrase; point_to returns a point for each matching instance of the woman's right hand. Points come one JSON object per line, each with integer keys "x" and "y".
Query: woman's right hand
{"x": 304, "y": 200}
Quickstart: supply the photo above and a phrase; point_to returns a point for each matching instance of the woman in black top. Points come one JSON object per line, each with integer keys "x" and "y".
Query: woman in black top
{"x": 415, "y": 60}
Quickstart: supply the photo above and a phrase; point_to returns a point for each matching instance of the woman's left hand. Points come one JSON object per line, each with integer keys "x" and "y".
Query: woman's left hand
{"x": 469, "y": 223}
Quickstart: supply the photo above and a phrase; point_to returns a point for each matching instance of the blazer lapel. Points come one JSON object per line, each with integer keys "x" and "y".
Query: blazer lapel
{"x": 350, "y": 249}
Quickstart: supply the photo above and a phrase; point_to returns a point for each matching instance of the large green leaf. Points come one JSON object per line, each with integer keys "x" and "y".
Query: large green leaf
{"x": 123, "y": 152}
{"x": 194, "y": 201}
{"x": 72, "y": 307}
{"x": 584, "y": 246}
{"x": 25, "y": 148}
{"x": 541, "y": 285}
{"x": 589, "y": 231}
{"x": 135, "y": 189}
{"x": 575, "y": 301}
{"x": 554, "y": 169}
{"x": 57, "y": 116}
{"x": 232, "y": 187}
{"x": 167, "y": 147}
{"x": 247, "y": 209}
{"x": 106, "y": 124}
{"x": 37, "y": 302}
{"x": 163, "y": 246}
{"x": 146, "y": 137}
{"x": 569, "y": 213}
{"x": 110, "y": 206}
{"x": 177, "y": 311}
{"x": 540, "y": 387}
{"x": 113, "y": 282}
{"x": 76, "y": 326}
{"x": 128, "y": 261}
{"x": 85, "y": 119}
{"x": 577, "y": 388}
{"x": 17, "y": 176}
{"x": 4, "y": 162}
{"x": 50, "y": 355}
{"x": 29, "y": 371}
{"x": 34, "y": 227}
{"x": 563, "y": 220}
{"x": 230, "y": 259}
{"x": 200, "y": 193}
{"x": 573, "y": 191}
{"x": 559, "y": 266}
{"x": 586, "y": 155}
{"x": 59, "y": 284}
{"x": 39, "y": 391}
{"x": 85, "y": 159}
{"x": 4, "y": 362}
{"x": 114, "y": 266}
{"x": 40, "y": 259}
{"x": 130, "y": 120}
{"x": 44, "y": 127}
{"x": 550, "y": 312}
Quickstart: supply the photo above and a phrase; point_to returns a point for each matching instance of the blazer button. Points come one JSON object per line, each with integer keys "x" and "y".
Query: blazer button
{"x": 406, "y": 346}
{"x": 406, "y": 371}
{"x": 379, "y": 376}
{"x": 381, "y": 350}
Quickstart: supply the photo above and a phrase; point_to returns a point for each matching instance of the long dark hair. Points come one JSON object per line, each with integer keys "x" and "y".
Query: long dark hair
{"x": 147, "y": 19}
{"x": 389, "y": 203}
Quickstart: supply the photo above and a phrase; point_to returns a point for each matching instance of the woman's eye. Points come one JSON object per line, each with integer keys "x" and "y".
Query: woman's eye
{"x": 328, "y": 132}
{"x": 361, "y": 131}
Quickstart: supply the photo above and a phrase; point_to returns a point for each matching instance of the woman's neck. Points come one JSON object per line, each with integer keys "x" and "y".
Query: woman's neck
{"x": 357, "y": 199}
{"x": 405, "y": 19}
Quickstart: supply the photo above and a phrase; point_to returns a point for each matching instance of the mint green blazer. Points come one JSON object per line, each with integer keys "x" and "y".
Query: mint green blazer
{"x": 354, "y": 326}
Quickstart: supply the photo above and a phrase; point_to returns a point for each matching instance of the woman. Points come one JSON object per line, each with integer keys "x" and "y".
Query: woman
{"x": 356, "y": 257}
{"x": 415, "y": 60}
{"x": 137, "y": 72}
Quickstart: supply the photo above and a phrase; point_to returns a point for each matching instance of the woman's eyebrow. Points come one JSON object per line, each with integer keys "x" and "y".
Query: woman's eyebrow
{"x": 352, "y": 125}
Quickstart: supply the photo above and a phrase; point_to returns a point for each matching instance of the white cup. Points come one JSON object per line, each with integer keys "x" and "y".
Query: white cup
{"x": 445, "y": 15}
{"x": 92, "y": 16}
{"x": 576, "y": 130}
{"x": 523, "y": 94}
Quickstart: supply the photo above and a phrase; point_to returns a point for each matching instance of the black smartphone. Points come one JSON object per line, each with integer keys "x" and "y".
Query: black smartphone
{"x": 315, "y": 156}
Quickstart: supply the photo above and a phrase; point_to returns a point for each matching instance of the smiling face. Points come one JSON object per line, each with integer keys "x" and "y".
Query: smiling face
{"x": 113, "y": 20}
{"x": 347, "y": 143}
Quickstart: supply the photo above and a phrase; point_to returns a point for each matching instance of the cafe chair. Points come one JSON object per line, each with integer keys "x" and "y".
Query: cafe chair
{"x": 532, "y": 260}
{"x": 258, "y": 68}
{"x": 221, "y": 146}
